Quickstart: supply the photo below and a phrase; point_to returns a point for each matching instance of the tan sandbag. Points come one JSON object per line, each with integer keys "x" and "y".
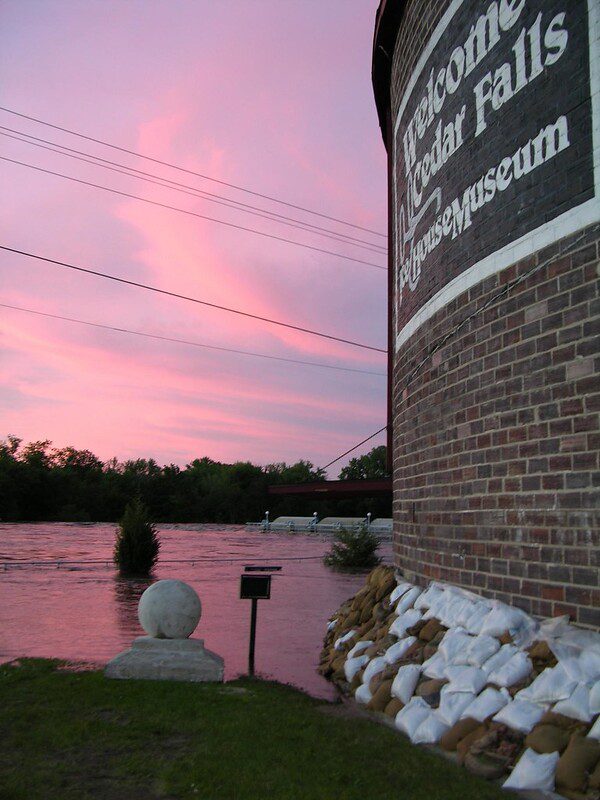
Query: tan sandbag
{"x": 506, "y": 638}
{"x": 415, "y": 629}
{"x": 381, "y": 697}
{"x": 373, "y": 650}
{"x": 365, "y": 613}
{"x": 352, "y": 620}
{"x": 393, "y": 707}
{"x": 430, "y": 630}
{"x": 560, "y": 721}
{"x": 539, "y": 651}
{"x": 457, "y": 732}
{"x": 374, "y": 576}
{"x": 356, "y": 680}
{"x": 430, "y": 690}
{"x": 465, "y": 744}
{"x": 577, "y": 762}
{"x": 385, "y": 586}
{"x": 548, "y": 739}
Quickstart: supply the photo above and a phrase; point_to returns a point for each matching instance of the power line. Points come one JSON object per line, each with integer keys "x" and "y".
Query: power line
{"x": 124, "y": 169}
{"x": 368, "y": 439}
{"x": 190, "y": 172}
{"x": 189, "y": 299}
{"x": 191, "y": 213}
{"x": 187, "y": 342}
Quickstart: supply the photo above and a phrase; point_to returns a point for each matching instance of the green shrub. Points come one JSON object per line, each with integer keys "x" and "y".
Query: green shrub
{"x": 137, "y": 543}
{"x": 353, "y": 549}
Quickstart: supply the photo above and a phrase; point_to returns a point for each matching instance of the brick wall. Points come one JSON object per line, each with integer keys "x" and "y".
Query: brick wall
{"x": 496, "y": 408}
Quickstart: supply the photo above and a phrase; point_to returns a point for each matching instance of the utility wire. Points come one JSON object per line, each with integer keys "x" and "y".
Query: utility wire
{"x": 190, "y": 343}
{"x": 191, "y": 213}
{"x": 189, "y": 299}
{"x": 368, "y": 439}
{"x": 124, "y": 169}
{"x": 190, "y": 172}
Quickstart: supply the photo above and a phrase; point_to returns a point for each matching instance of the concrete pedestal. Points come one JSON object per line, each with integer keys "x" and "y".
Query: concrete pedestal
{"x": 167, "y": 660}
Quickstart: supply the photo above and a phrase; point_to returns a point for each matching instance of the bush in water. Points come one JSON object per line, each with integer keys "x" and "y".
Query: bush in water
{"x": 137, "y": 543}
{"x": 353, "y": 549}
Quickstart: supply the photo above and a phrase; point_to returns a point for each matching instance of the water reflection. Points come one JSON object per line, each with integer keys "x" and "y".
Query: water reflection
{"x": 127, "y": 593}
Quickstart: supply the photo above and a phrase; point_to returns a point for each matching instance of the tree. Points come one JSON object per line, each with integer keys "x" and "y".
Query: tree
{"x": 137, "y": 543}
{"x": 353, "y": 549}
{"x": 368, "y": 467}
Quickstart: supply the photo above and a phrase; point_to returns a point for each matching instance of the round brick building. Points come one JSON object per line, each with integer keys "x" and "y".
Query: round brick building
{"x": 490, "y": 114}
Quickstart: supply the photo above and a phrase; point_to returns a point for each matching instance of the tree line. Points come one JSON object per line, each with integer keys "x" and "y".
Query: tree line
{"x": 39, "y": 482}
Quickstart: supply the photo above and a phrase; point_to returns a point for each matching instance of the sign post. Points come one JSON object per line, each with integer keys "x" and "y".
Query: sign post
{"x": 255, "y": 587}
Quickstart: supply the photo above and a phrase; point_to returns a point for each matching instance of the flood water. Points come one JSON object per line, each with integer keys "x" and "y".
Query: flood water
{"x": 86, "y": 612}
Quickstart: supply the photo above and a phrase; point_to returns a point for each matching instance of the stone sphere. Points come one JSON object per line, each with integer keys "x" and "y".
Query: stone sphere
{"x": 169, "y": 610}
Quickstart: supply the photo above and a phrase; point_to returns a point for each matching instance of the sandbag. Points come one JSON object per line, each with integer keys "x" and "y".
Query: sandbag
{"x": 466, "y": 679}
{"x": 457, "y": 732}
{"x": 594, "y": 779}
{"x": 486, "y": 765}
{"x": 547, "y": 739}
{"x": 550, "y": 686}
{"x": 430, "y": 630}
{"x": 381, "y": 697}
{"x": 452, "y": 704}
{"x": 480, "y": 648}
{"x": 533, "y": 771}
{"x": 405, "y": 682}
{"x": 400, "y": 625}
{"x": 595, "y": 698}
{"x": 353, "y": 665}
{"x": 376, "y": 665}
{"x": 435, "y": 667}
{"x": 520, "y": 715}
{"x": 594, "y": 732}
{"x": 339, "y": 643}
{"x": 488, "y": 703}
{"x": 407, "y": 600}
{"x": 560, "y": 721}
{"x": 397, "y": 593}
{"x": 465, "y": 744}
{"x": 397, "y": 651}
{"x": 499, "y": 659}
{"x": 412, "y": 715}
{"x": 577, "y": 762}
{"x": 359, "y": 647}
{"x": 428, "y": 598}
{"x": 515, "y": 670}
{"x": 503, "y": 618}
{"x": 363, "y": 694}
{"x": 430, "y": 690}
{"x": 393, "y": 707}
{"x": 476, "y": 620}
{"x": 430, "y": 731}
{"x": 577, "y": 705}
{"x": 455, "y": 642}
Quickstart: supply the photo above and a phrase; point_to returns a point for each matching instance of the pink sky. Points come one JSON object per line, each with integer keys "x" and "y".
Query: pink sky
{"x": 274, "y": 96}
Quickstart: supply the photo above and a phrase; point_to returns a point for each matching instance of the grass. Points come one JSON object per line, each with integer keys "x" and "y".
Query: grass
{"x": 68, "y": 735}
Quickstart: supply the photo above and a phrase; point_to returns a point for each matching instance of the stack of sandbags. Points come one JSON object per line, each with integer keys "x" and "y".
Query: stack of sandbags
{"x": 482, "y": 679}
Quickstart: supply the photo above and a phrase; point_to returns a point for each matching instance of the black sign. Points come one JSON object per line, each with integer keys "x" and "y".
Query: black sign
{"x": 255, "y": 587}
{"x": 492, "y": 146}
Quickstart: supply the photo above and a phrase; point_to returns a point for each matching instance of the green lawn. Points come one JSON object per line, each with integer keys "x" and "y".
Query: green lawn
{"x": 76, "y": 735}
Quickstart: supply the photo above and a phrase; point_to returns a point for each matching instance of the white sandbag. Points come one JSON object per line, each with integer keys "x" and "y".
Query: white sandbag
{"x": 464, "y": 612}
{"x": 590, "y": 665}
{"x": 457, "y": 609}
{"x": 479, "y": 650}
{"x": 403, "y": 685}
{"x": 577, "y": 705}
{"x": 520, "y": 715}
{"x": 533, "y": 771}
{"x": 476, "y": 620}
{"x": 376, "y": 666}
{"x": 435, "y": 667}
{"x": 455, "y": 642}
{"x": 594, "y": 732}
{"x": 516, "y": 669}
{"x": 339, "y": 643}
{"x": 354, "y": 665}
{"x": 396, "y": 651}
{"x": 550, "y": 686}
{"x": 595, "y": 698}
{"x": 503, "y": 618}
{"x": 430, "y": 731}
{"x": 331, "y": 625}
{"x": 363, "y": 694}
{"x": 407, "y": 600}
{"x": 406, "y": 620}
{"x": 359, "y": 647}
{"x": 428, "y": 598}
{"x": 466, "y": 679}
{"x": 412, "y": 715}
{"x": 499, "y": 659}
{"x": 397, "y": 593}
{"x": 489, "y": 702}
{"x": 452, "y": 704}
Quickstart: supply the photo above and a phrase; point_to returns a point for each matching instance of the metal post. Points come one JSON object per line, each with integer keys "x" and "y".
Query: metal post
{"x": 252, "y": 637}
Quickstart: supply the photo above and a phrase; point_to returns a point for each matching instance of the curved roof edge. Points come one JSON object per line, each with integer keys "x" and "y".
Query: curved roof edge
{"x": 387, "y": 24}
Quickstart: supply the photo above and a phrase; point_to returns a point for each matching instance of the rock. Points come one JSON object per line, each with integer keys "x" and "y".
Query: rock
{"x": 169, "y": 610}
